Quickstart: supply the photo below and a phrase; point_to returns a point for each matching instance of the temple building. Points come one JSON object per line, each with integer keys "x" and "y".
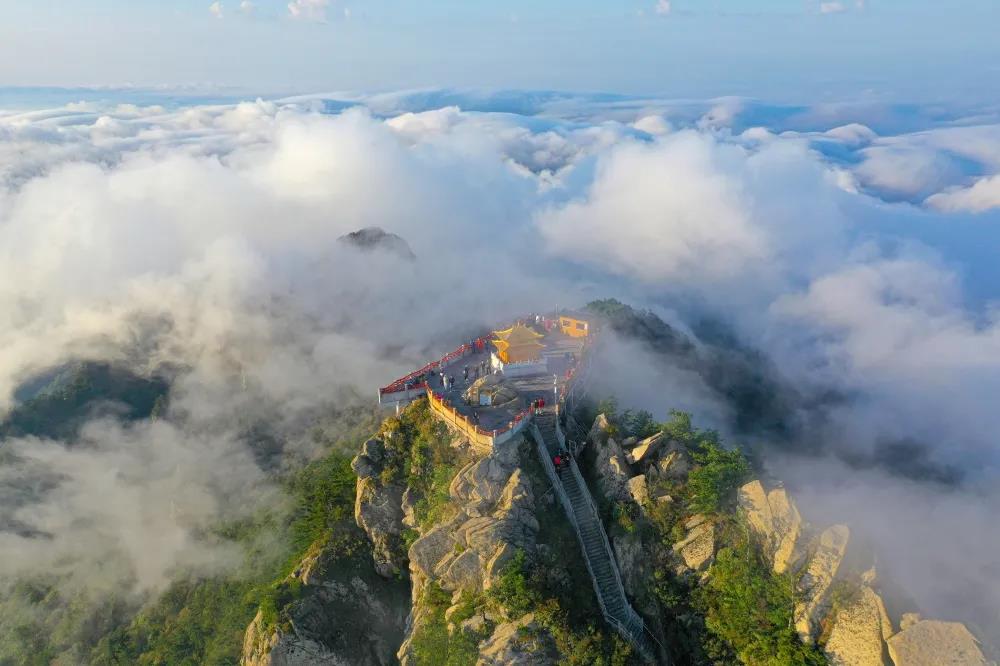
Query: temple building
{"x": 575, "y": 324}
{"x": 518, "y": 351}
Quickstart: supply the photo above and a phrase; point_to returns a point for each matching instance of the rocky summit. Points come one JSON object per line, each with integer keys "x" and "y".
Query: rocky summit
{"x": 494, "y": 568}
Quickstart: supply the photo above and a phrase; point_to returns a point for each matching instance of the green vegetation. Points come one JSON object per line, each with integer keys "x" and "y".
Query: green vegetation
{"x": 419, "y": 455}
{"x": 580, "y": 639}
{"x": 435, "y": 506}
{"x": 415, "y": 444}
{"x": 743, "y": 612}
{"x": 196, "y": 619}
{"x": 193, "y": 622}
{"x": 433, "y": 645}
{"x": 713, "y": 482}
{"x": 512, "y": 593}
{"x": 750, "y": 608}
{"x": 711, "y": 485}
{"x": 324, "y": 504}
{"x": 553, "y": 586}
{"x": 202, "y": 621}
{"x": 55, "y": 405}
{"x": 639, "y": 424}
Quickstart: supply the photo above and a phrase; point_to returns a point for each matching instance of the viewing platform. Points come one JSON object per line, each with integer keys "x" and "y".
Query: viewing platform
{"x": 493, "y": 380}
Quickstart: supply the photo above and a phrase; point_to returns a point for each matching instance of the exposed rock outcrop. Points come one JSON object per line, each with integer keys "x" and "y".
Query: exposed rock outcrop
{"x": 517, "y": 643}
{"x": 343, "y": 614}
{"x": 776, "y": 522}
{"x": 858, "y": 632}
{"x": 611, "y": 465}
{"x": 378, "y": 509}
{"x": 697, "y": 549}
{"x": 467, "y": 551}
{"x": 638, "y": 489}
{"x": 633, "y": 564}
{"x": 934, "y": 643}
{"x": 494, "y": 518}
{"x": 817, "y": 580}
{"x": 647, "y": 449}
{"x": 673, "y": 466}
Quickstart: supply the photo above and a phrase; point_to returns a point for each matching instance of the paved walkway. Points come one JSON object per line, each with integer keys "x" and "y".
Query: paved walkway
{"x": 561, "y": 353}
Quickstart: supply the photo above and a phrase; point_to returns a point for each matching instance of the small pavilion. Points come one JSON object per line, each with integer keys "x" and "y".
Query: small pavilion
{"x": 518, "y": 351}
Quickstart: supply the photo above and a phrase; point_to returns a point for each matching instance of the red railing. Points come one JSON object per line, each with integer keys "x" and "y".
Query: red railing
{"x": 401, "y": 384}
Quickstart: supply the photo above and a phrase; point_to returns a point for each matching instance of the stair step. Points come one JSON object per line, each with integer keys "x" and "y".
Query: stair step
{"x": 602, "y": 566}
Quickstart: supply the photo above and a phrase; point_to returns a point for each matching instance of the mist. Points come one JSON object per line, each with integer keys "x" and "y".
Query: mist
{"x": 204, "y": 241}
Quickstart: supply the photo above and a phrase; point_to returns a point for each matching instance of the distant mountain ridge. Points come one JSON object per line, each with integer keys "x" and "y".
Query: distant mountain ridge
{"x": 370, "y": 239}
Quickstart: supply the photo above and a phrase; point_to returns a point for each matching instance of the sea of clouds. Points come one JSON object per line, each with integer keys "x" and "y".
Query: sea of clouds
{"x": 854, "y": 244}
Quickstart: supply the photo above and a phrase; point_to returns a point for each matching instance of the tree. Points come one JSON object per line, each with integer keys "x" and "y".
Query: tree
{"x": 718, "y": 474}
{"x": 750, "y": 608}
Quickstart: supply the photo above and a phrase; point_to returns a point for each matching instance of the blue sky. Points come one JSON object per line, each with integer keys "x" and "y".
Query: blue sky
{"x": 919, "y": 50}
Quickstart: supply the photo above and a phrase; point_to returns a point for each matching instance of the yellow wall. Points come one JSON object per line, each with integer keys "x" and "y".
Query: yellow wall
{"x": 576, "y": 328}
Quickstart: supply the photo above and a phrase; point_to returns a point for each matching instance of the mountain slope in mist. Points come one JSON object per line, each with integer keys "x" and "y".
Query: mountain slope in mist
{"x": 858, "y": 351}
{"x": 57, "y": 403}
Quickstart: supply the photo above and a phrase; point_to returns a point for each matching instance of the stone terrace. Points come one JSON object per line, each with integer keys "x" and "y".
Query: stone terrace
{"x": 557, "y": 346}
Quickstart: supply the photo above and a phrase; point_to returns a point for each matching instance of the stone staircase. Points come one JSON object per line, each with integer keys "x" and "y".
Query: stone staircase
{"x": 582, "y": 513}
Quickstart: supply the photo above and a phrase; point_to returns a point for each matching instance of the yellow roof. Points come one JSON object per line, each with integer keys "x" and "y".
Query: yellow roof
{"x": 518, "y": 343}
{"x": 518, "y": 332}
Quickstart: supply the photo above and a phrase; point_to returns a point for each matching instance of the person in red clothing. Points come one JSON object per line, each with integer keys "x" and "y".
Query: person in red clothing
{"x": 541, "y": 403}
{"x": 558, "y": 461}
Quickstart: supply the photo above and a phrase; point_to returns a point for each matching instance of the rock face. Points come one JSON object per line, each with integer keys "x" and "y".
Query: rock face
{"x": 776, "y": 522}
{"x": 611, "y": 465}
{"x": 697, "y": 548}
{"x": 820, "y": 574}
{"x": 673, "y": 466}
{"x": 495, "y": 517}
{"x": 933, "y": 643}
{"x": 518, "y": 643}
{"x": 378, "y": 509}
{"x": 638, "y": 489}
{"x": 344, "y": 615}
{"x": 646, "y": 449}
{"x": 633, "y": 563}
{"x": 859, "y": 630}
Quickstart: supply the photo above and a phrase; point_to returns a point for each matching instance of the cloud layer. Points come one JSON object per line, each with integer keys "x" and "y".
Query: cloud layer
{"x": 204, "y": 239}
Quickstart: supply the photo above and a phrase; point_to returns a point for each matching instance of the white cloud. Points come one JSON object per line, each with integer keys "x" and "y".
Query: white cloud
{"x": 645, "y": 213}
{"x": 135, "y": 497}
{"x": 205, "y": 238}
{"x": 901, "y": 170}
{"x": 853, "y": 134}
{"x": 691, "y": 210}
{"x": 654, "y": 124}
{"x": 215, "y": 9}
{"x": 983, "y": 195}
{"x": 310, "y": 10}
{"x": 662, "y": 7}
{"x": 832, "y": 7}
{"x": 247, "y": 7}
